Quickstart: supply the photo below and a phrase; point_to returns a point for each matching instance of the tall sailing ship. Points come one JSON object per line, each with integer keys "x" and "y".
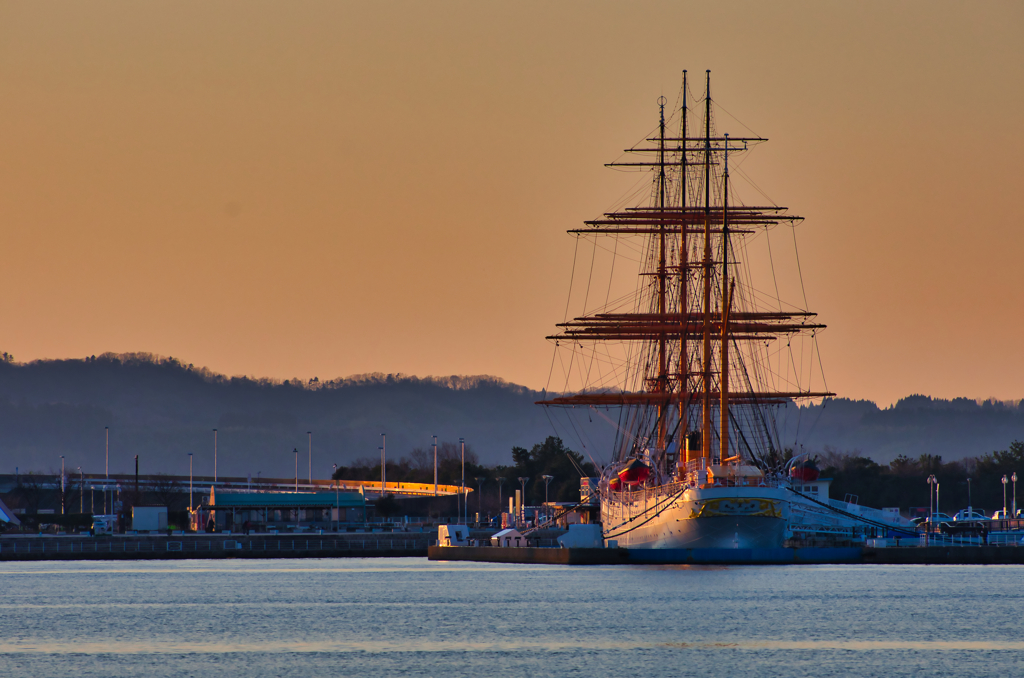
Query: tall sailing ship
{"x": 703, "y": 356}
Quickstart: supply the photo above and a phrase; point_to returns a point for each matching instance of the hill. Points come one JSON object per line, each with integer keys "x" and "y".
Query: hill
{"x": 162, "y": 409}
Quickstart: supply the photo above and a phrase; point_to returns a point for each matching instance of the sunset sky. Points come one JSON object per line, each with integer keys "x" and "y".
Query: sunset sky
{"x": 300, "y": 189}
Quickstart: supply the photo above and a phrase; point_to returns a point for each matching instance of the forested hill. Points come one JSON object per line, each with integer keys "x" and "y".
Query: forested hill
{"x": 162, "y": 409}
{"x": 916, "y": 425}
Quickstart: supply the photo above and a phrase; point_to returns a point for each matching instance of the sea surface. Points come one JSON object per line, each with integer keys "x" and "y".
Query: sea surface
{"x": 411, "y": 617}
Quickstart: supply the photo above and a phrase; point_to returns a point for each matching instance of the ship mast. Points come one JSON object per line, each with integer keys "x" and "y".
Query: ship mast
{"x": 697, "y": 321}
{"x": 723, "y": 380}
{"x": 684, "y": 362}
{"x": 705, "y": 438}
{"x": 662, "y": 279}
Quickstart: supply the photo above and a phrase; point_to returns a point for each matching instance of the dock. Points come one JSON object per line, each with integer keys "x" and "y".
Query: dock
{"x": 213, "y": 546}
{"x": 928, "y": 555}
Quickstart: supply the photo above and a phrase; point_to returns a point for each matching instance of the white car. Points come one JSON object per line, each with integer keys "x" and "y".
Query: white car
{"x": 969, "y": 514}
{"x": 1000, "y": 515}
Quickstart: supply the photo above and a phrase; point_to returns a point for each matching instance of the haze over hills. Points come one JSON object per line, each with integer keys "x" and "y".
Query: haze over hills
{"x": 162, "y": 409}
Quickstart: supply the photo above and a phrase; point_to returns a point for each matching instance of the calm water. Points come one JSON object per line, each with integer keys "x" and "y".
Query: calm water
{"x": 412, "y": 617}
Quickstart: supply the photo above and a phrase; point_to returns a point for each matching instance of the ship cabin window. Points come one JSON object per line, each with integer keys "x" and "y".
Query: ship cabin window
{"x": 811, "y": 488}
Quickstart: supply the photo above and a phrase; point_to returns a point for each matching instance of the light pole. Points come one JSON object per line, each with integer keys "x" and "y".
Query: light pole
{"x": 1014, "y": 479}
{"x": 462, "y": 444}
{"x": 547, "y": 479}
{"x": 435, "y": 466}
{"x": 337, "y": 506}
{"x": 81, "y": 491}
{"x": 62, "y": 484}
{"x": 190, "y": 482}
{"x": 295, "y": 450}
{"x": 310, "y": 434}
{"x": 92, "y": 499}
{"x": 106, "y": 464}
{"x": 1004, "y": 480}
{"x": 522, "y": 499}
{"x": 383, "y": 463}
{"x": 969, "y": 504}
{"x": 931, "y": 501}
{"x": 501, "y": 481}
{"x": 214, "y": 455}
{"x": 479, "y": 496}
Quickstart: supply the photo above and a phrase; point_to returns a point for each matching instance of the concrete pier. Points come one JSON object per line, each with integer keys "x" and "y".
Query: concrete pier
{"x": 213, "y": 546}
{"x": 933, "y": 555}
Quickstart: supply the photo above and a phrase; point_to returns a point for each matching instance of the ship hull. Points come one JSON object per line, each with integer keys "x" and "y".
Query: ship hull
{"x": 722, "y": 518}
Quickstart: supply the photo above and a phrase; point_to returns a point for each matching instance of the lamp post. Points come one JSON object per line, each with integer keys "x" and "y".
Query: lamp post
{"x": 310, "y": 434}
{"x": 81, "y": 491}
{"x": 92, "y": 499}
{"x": 547, "y": 479}
{"x": 383, "y": 463}
{"x": 190, "y": 482}
{"x": 462, "y": 444}
{"x": 479, "y": 496}
{"x": 435, "y": 466}
{"x": 969, "y": 504}
{"x": 62, "y": 484}
{"x": 214, "y": 455}
{"x": 1004, "y": 481}
{"x": 931, "y": 501}
{"x": 295, "y": 451}
{"x": 106, "y": 464}
{"x": 337, "y": 506}
{"x": 522, "y": 506}
{"x": 501, "y": 481}
{"x": 1014, "y": 479}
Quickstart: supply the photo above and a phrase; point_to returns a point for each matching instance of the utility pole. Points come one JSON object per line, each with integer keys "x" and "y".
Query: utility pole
{"x": 462, "y": 444}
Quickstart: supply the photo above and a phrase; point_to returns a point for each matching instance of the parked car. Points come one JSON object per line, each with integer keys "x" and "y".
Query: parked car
{"x": 1000, "y": 515}
{"x": 969, "y": 514}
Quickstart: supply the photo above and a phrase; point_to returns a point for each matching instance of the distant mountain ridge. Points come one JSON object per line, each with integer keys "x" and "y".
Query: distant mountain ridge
{"x": 162, "y": 409}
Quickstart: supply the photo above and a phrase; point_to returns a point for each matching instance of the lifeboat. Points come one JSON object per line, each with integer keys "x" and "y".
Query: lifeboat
{"x": 614, "y": 484}
{"x": 634, "y": 473}
{"x": 805, "y": 471}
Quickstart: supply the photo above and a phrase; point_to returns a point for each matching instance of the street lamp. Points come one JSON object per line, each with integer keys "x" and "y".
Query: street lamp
{"x": 190, "y": 482}
{"x": 383, "y": 463}
{"x": 106, "y": 464}
{"x": 337, "y": 506}
{"x": 1014, "y": 479}
{"x": 310, "y": 434}
{"x": 295, "y": 451}
{"x": 969, "y": 504}
{"x": 501, "y": 481}
{"x": 547, "y": 479}
{"x": 931, "y": 502}
{"x": 522, "y": 505}
{"x": 81, "y": 491}
{"x": 62, "y": 484}
{"x": 214, "y": 455}
{"x": 462, "y": 444}
{"x": 435, "y": 466}
{"x": 479, "y": 496}
{"x": 1004, "y": 481}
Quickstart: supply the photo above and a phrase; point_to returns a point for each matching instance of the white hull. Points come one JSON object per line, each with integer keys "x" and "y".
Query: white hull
{"x": 671, "y": 517}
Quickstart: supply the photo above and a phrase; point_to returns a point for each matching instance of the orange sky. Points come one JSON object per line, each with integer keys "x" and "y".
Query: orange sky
{"x": 299, "y": 189}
